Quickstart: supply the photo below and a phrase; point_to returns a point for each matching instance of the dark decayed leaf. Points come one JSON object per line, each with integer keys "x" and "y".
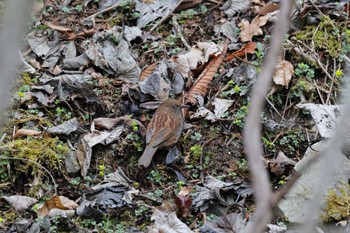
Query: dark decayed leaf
{"x": 224, "y": 193}
{"x": 95, "y": 203}
{"x": 183, "y": 204}
{"x": 110, "y": 51}
{"x": 231, "y": 223}
{"x": 172, "y": 155}
{"x": 113, "y": 192}
{"x": 156, "y": 84}
{"x": 66, "y": 127}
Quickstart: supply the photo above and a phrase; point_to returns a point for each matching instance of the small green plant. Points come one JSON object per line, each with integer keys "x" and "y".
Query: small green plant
{"x": 196, "y": 150}
{"x": 338, "y": 73}
{"x": 242, "y": 164}
{"x": 156, "y": 177}
{"x": 234, "y": 89}
{"x": 79, "y": 8}
{"x": 135, "y": 138}
{"x": 63, "y": 113}
{"x": 196, "y": 136}
{"x": 240, "y": 115}
{"x": 282, "y": 180}
{"x": 259, "y": 52}
{"x": 211, "y": 217}
{"x": 140, "y": 210}
{"x": 3, "y": 169}
{"x": 101, "y": 170}
{"x": 304, "y": 70}
{"x": 190, "y": 13}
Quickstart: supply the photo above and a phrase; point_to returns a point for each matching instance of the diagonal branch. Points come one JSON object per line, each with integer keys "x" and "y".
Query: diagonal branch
{"x": 252, "y": 129}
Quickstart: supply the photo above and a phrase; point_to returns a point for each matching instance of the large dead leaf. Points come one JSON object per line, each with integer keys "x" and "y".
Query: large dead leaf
{"x": 20, "y": 203}
{"x": 231, "y": 7}
{"x": 325, "y": 117}
{"x": 283, "y": 73}
{"x": 200, "y": 88}
{"x": 165, "y": 220}
{"x": 248, "y": 30}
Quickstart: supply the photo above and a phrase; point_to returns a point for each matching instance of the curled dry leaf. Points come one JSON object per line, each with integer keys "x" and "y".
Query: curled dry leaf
{"x": 248, "y": 30}
{"x": 26, "y": 132}
{"x": 200, "y": 88}
{"x": 58, "y": 28}
{"x": 53, "y": 203}
{"x": 187, "y": 5}
{"x": 283, "y": 73}
{"x": 268, "y": 8}
{"x": 248, "y": 48}
{"x": 148, "y": 71}
{"x": 183, "y": 202}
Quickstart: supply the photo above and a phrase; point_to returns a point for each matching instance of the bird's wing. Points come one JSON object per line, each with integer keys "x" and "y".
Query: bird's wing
{"x": 163, "y": 135}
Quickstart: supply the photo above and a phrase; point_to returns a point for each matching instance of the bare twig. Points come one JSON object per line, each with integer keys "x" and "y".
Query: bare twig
{"x": 252, "y": 129}
{"x": 104, "y": 10}
{"x": 332, "y": 83}
{"x": 178, "y": 30}
{"x": 159, "y": 22}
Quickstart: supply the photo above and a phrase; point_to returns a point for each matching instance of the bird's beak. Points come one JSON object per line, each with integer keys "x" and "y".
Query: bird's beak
{"x": 185, "y": 106}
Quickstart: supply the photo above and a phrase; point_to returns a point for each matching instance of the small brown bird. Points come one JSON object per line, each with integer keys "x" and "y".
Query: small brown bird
{"x": 164, "y": 130}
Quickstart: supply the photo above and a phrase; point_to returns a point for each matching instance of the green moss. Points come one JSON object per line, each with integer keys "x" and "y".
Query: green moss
{"x": 327, "y": 36}
{"x": 337, "y": 204}
{"x": 47, "y": 152}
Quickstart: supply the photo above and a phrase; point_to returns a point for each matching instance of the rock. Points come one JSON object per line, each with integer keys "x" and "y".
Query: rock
{"x": 294, "y": 206}
{"x": 71, "y": 163}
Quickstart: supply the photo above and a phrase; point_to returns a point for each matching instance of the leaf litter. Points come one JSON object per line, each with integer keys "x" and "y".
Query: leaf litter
{"x": 85, "y": 87}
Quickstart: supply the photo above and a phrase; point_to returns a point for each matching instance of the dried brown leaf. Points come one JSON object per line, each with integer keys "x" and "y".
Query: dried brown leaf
{"x": 53, "y": 203}
{"x": 148, "y": 71}
{"x": 58, "y": 28}
{"x": 26, "y": 132}
{"x": 248, "y": 30}
{"x": 187, "y": 5}
{"x": 268, "y": 8}
{"x": 248, "y": 48}
{"x": 200, "y": 88}
{"x": 283, "y": 73}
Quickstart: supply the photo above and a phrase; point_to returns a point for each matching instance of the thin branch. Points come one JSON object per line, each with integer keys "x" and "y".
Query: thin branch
{"x": 104, "y": 10}
{"x": 178, "y": 30}
{"x": 252, "y": 129}
{"x": 159, "y": 22}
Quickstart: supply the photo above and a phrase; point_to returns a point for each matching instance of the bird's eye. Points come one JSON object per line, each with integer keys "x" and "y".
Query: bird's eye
{"x": 174, "y": 106}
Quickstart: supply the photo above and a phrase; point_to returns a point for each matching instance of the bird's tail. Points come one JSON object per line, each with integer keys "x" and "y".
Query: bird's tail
{"x": 147, "y": 156}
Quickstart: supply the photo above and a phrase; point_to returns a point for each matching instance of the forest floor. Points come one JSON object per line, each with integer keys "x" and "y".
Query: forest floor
{"x": 95, "y": 72}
